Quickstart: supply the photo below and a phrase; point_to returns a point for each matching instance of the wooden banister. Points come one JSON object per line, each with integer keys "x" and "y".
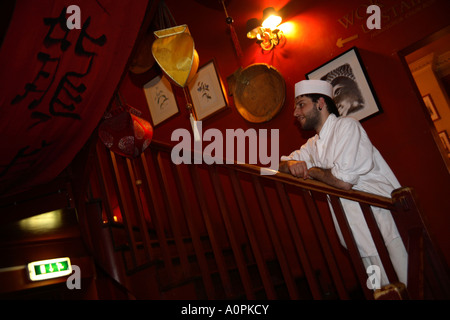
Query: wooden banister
{"x": 253, "y": 216}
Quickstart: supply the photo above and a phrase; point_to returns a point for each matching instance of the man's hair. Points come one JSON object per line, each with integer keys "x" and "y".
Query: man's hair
{"x": 331, "y": 106}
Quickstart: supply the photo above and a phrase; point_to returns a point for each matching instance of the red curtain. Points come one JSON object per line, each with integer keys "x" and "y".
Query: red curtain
{"x": 56, "y": 81}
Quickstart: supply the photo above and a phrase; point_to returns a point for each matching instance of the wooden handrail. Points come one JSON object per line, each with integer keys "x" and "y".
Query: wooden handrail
{"x": 313, "y": 185}
{"x": 230, "y": 212}
{"x": 402, "y": 201}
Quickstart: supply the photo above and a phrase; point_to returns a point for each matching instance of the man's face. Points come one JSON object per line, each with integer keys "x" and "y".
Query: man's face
{"x": 306, "y": 113}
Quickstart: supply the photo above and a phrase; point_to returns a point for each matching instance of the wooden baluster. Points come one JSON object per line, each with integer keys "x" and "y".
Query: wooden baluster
{"x": 163, "y": 180}
{"x": 105, "y": 188}
{"x": 262, "y": 266}
{"x": 180, "y": 182}
{"x": 101, "y": 174}
{"x": 325, "y": 244}
{"x": 217, "y": 250}
{"x": 126, "y": 217}
{"x": 351, "y": 246}
{"x": 412, "y": 225}
{"x": 379, "y": 242}
{"x": 156, "y": 215}
{"x": 240, "y": 261}
{"x": 436, "y": 271}
{"x": 415, "y": 264}
{"x": 140, "y": 212}
{"x": 288, "y": 277}
{"x": 298, "y": 241}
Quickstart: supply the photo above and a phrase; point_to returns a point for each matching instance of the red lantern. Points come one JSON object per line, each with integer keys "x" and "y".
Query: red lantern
{"x": 125, "y": 133}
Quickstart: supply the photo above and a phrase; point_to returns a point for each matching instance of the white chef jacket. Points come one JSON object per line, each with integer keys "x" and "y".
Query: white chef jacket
{"x": 343, "y": 146}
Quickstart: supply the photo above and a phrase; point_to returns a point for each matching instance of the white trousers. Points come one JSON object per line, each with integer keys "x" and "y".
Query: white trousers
{"x": 399, "y": 258}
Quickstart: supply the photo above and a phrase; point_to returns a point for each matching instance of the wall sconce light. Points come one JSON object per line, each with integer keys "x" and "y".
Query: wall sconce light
{"x": 266, "y": 33}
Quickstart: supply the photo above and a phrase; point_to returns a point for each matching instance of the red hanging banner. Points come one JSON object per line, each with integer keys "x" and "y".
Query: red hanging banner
{"x": 60, "y": 63}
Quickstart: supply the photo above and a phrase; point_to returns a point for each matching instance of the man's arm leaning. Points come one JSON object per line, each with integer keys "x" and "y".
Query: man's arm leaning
{"x": 299, "y": 169}
{"x": 325, "y": 176}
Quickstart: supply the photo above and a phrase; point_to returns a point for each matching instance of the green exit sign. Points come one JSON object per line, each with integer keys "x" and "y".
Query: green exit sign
{"x": 48, "y": 269}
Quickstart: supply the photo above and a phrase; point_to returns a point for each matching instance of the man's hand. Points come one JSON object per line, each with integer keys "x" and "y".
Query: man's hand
{"x": 296, "y": 168}
{"x": 300, "y": 170}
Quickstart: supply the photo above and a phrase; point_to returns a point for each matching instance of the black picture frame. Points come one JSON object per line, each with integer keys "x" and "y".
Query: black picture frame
{"x": 353, "y": 91}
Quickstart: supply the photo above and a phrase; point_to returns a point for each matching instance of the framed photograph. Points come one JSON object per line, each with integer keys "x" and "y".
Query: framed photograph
{"x": 353, "y": 92}
{"x": 160, "y": 99}
{"x": 207, "y": 92}
{"x": 431, "y": 107}
{"x": 445, "y": 140}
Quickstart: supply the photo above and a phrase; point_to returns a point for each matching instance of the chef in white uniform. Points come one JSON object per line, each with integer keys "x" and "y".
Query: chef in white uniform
{"x": 341, "y": 155}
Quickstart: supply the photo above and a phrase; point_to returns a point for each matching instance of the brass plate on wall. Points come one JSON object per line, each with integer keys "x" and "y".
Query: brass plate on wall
{"x": 259, "y": 92}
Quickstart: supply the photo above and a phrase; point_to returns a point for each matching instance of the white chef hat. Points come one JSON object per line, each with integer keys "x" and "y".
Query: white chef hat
{"x": 313, "y": 86}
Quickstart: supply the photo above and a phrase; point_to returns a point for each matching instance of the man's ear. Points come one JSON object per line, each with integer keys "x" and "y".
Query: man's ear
{"x": 322, "y": 103}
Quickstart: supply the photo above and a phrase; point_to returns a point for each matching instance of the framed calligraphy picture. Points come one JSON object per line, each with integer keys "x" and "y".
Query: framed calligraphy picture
{"x": 207, "y": 91}
{"x": 445, "y": 141}
{"x": 352, "y": 90}
{"x": 160, "y": 99}
{"x": 431, "y": 107}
